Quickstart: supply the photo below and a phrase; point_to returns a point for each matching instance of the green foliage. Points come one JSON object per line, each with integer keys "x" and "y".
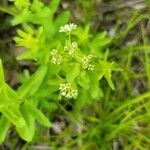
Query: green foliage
{"x": 61, "y": 61}
{"x": 11, "y": 101}
{"x": 39, "y": 14}
{"x": 72, "y": 68}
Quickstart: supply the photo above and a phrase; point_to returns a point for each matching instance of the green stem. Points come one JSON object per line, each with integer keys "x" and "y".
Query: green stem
{"x": 69, "y": 38}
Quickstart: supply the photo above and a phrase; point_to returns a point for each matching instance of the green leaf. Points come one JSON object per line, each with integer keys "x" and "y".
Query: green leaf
{"x": 27, "y": 55}
{"x": 51, "y": 106}
{"x": 4, "y": 99}
{"x": 37, "y": 114}
{"x": 110, "y": 82}
{"x": 83, "y": 34}
{"x": 40, "y": 17}
{"x": 105, "y": 70}
{"x": 84, "y": 80}
{"x": 30, "y": 87}
{"x": 82, "y": 99}
{"x": 63, "y": 18}
{"x": 54, "y": 5}
{"x": 107, "y": 75}
{"x": 7, "y": 96}
{"x": 11, "y": 94}
{"x": 8, "y": 9}
{"x": 73, "y": 72}
{"x": 37, "y": 6}
{"x": 22, "y": 17}
{"x": 99, "y": 41}
{"x": 21, "y": 3}
{"x": 27, "y": 132}
{"x": 4, "y": 126}
{"x": 94, "y": 86}
{"x": 13, "y": 114}
{"x": 49, "y": 28}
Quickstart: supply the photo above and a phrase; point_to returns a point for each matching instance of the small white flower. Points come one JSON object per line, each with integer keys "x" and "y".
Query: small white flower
{"x": 56, "y": 58}
{"x": 74, "y": 45}
{"x": 68, "y": 27}
{"x": 68, "y": 91}
{"x": 90, "y": 67}
{"x": 71, "y": 48}
{"x": 90, "y": 57}
{"x": 86, "y": 62}
{"x": 54, "y": 52}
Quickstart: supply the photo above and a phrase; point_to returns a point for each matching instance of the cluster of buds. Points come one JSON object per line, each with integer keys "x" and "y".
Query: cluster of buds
{"x": 71, "y": 48}
{"x": 56, "y": 58}
{"x": 68, "y": 27}
{"x": 86, "y": 63}
{"x": 68, "y": 91}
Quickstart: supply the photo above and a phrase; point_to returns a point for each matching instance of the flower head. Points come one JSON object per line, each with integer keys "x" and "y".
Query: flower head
{"x": 56, "y": 58}
{"x": 68, "y": 91}
{"x": 68, "y": 27}
{"x": 71, "y": 48}
{"x": 86, "y": 62}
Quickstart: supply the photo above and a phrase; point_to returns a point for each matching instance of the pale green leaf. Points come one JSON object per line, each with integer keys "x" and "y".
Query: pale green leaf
{"x": 30, "y": 87}
{"x": 37, "y": 114}
{"x": 4, "y": 126}
{"x": 54, "y": 5}
{"x": 73, "y": 72}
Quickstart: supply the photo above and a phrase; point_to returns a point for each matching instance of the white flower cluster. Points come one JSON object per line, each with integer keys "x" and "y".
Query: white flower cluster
{"x": 71, "y": 48}
{"x": 86, "y": 63}
{"x": 56, "y": 58}
{"x": 68, "y": 27}
{"x": 68, "y": 91}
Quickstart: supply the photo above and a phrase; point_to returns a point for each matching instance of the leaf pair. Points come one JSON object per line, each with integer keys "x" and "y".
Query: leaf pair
{"x": 11, "y": 102}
